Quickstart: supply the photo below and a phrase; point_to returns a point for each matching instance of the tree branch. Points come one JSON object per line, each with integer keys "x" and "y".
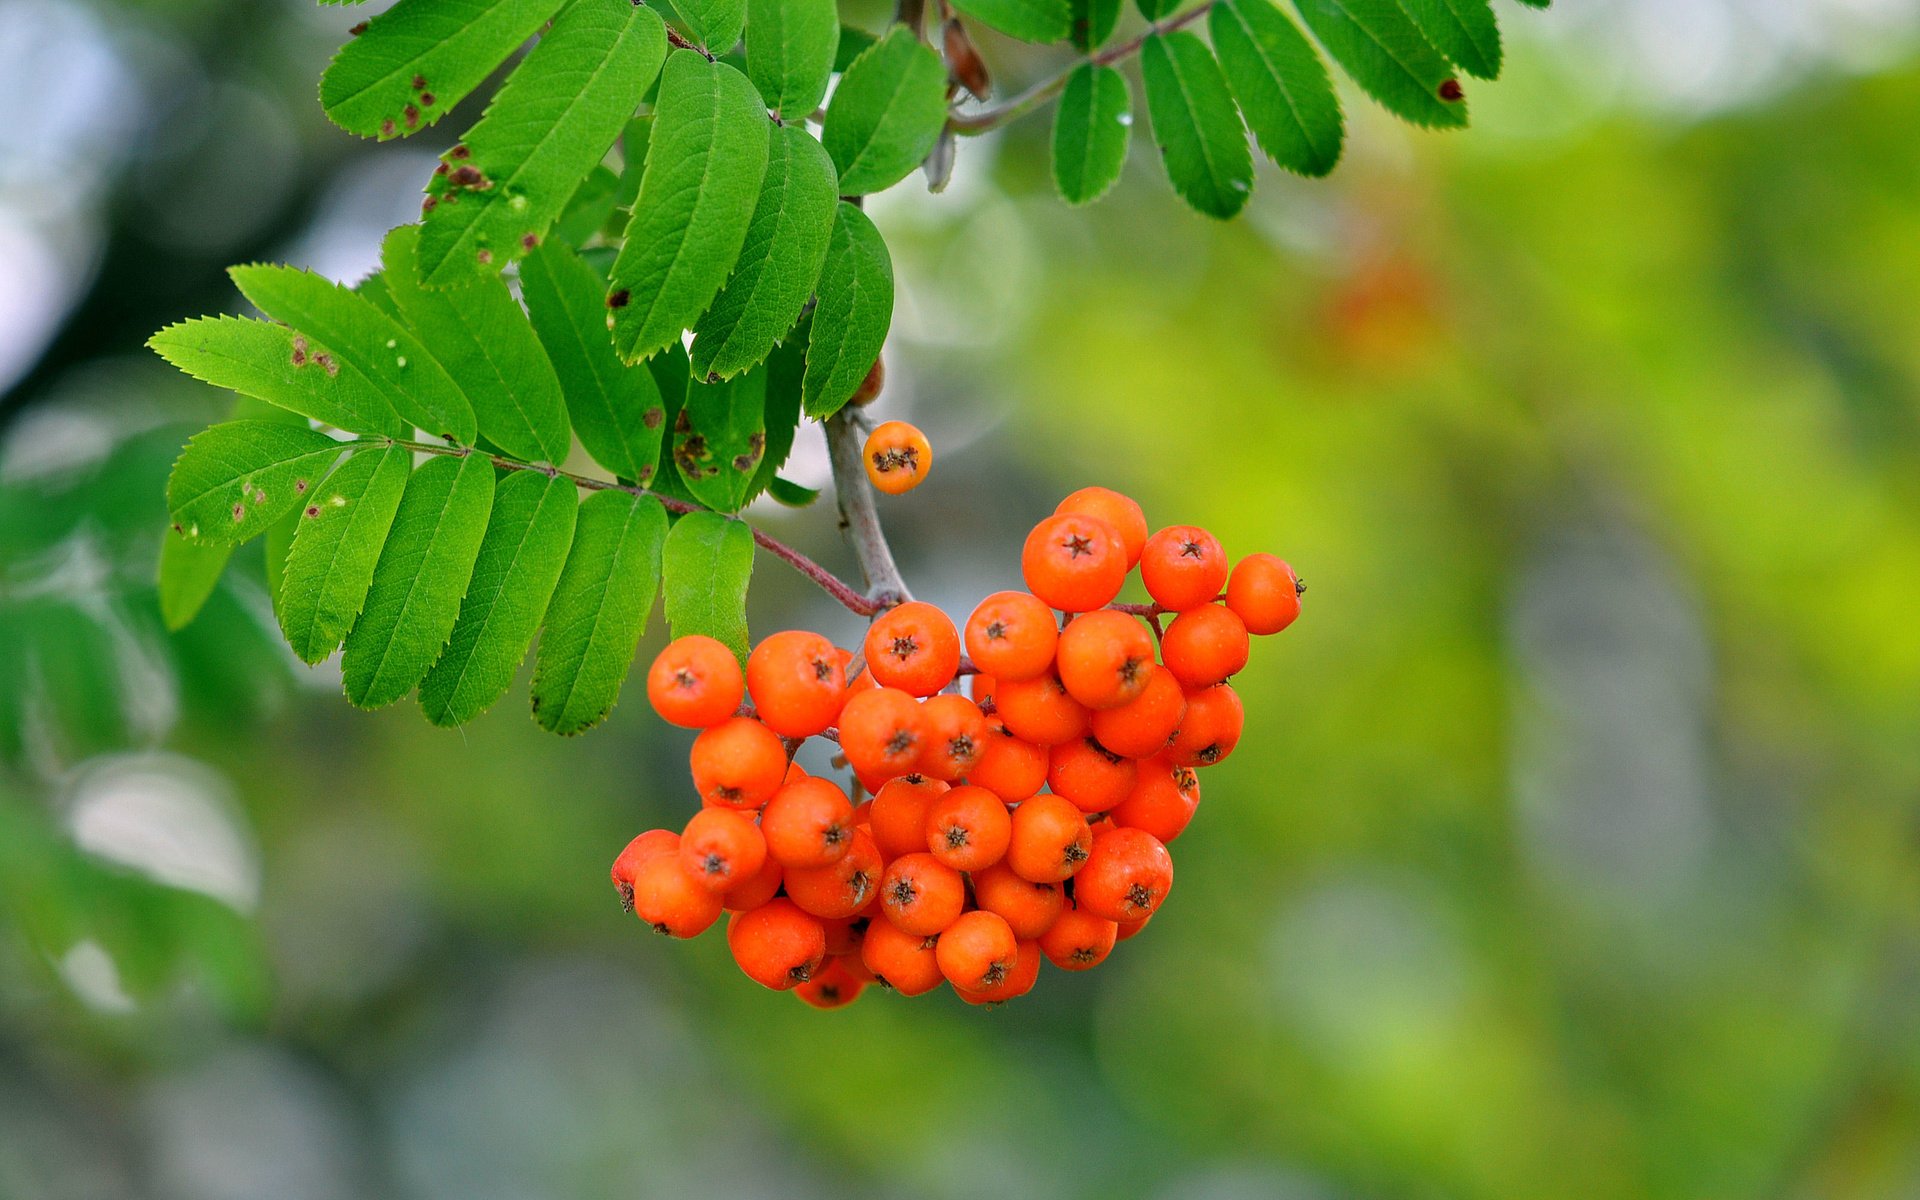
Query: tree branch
{"x": 859, "y": 517}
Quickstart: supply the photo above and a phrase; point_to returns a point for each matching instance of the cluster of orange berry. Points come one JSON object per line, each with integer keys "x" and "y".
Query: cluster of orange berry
{"x": 1028, "y": 819}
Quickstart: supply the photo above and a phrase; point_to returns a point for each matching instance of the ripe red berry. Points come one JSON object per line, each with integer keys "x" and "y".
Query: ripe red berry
{"x": 1028, "y": 908}
{"x": 1093, "y": 777}
{"x": 797, "y": 683}
{"x": 1017, "y": 982}
{"x": 898, "y": 456}
{"x": 1008, "y": 767}
{"x": 913, "y": 647}
{"x": 882, "y": 733}
{"x": 1104, "y": 658}
{"x": 1074, "y": 563}
{"x": 1265, "y": 593}
{"x": 1078, "y": 940}
{"x": 921, "y": 894}
{"x": 899, "y": 814}
{"x": 722, "y": 848}
{"x": 808, "y": 824}
{"x": 777, "y": 945}
{"x": 956, "y": 736}
{"x": 968, "y": 828}
{"x": 1183, "y": 567}
{"x": 738, "y": 763}
{"x": 1115, "y": 509}
{"x": 1049, "y": 841}
{"x": 668, "y": 897}
{"x": 903, "y": 961}
{"x": 1144, "y": 725}
{"x": 1162, "y": 800}
{"x": 977, "y": 951}
{"x": 841, "y": 888}
{"x": 832, "y": 986}
{"x": 1205, "y": 645}
{"x": 1011, "y": 635}
{"x": 1040, "y": 711}
{"x": 637, "y": 851}
{"x": 762, "y": 886}
{"x": 695, "y": 682}
{"x": 1127, "y": 875}
{"x": 1211, "y": 728}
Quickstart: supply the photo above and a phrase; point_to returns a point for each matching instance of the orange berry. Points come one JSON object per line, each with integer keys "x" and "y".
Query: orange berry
{"x": 921, "y": 895}
{"x": 695, "y": 682}
{"x": 1018, "y": 982}
{"x": 956, "y": 736}
{"x": 1028, "y": 908}
{"x": 1049, "y": 840}
{"x": 977, "y": 951}
{"x": 841, "y": 888}
{"x": 808, "y": 824}
{"x": 762, "y": 886}
{"x": 1264, "y": 593}
{"x": 1162, "y": 800}
{"x": 668, "y": 897}
{"x": 1079, "y": 941}
{"x": 968, "y": 828}
{"x": 898, "y": 457}
{"x": 855, "y": 968}
{"x": 913, "y": 647}
{"x": 903, "y": 961}
{"x": 843, "y": 933}
{"x": 981, "y": 689}
{"x": 1205, "y": 645}
{"x": 1093, "y": 777}
{"x": 1115, "y": 509}
{"x": 882, "y": 733}
{"x": 1127, "y": 875}
{"x": 797, "y": 683}
{"x": 738, "y": 763}
{"x": 1128, "y": 928}
{"x": 1211, "y": 728}
{"x": 832, "y": 986}
{"x": 1074, "y": 562}
{"x": 1008, "y": 767}
{"x": 899, "y": 817}
{"x": 777, "y": 945}
{"x": 642, "y": 848}
{"x": 1143, "y": 725}
{"x": 1040, "y": 711}
{"x": 1104, "y": 658}
{"x": 1183, "y": 567}
{"x": 722, "y": 848}
{"x": 1011, "y": 636}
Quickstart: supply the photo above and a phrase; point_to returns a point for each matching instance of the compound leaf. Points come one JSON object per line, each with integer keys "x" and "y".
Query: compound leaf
{"x": 599, "y": 610}
{"x": 854, "y": 311}
{"x": 284, "y": 368}
{"x": 235, "y": 479}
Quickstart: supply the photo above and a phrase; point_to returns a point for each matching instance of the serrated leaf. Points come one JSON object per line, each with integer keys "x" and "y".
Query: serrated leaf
{"x": 479, "y": 333}
{"x": 281, "y": 367}
{"x": 790, "y": 51}
{"x": 616, "y": 408}
{"x": 715, "y": 24}
{"x": 592, "y": 204}
{"x": 887, "y": 113}
{"x": 1281, "y": 84}
{"x": 419, "y": 579}
{"x": 1153, "y": 10}
{"x": 851, "y": 319}
{"x": 1028, "y": 20}
{"x": 547, "y": 127}
{"x": 708, "y": 561}
{"x": 791, "y": 494}
{"x": 275, "y": 545}
{"x": 673, "y": 377}
{"x": 234, "y": 480}
{"x": 705, "y": 160}
{"x": 361, "y": 336}
{"x": 1463, "y": 30}
{"x": 599, "y": 610}
{"x": 1091, "y": 130}
{"x": 519, "y": 564}
{"x": 780, "y": 261}
{"x": 720, "y": 437}
{"x": 189, "y": 571}
{"x": 786, "y": 369}
{"x": 853, "y": 43}
{"x": 1196, "y": 125}
{"x": 337, "y": 539}
{"x": 1378, "y": 44}
{"x": 1092, "y": 22}
{"x": 414, "y": 62}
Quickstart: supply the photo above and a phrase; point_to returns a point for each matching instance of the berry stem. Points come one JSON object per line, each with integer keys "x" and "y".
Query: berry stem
{"x": 859, "y": 516}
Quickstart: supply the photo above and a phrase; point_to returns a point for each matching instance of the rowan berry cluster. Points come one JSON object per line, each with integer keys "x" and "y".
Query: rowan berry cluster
{"x": 1027, "y": 819}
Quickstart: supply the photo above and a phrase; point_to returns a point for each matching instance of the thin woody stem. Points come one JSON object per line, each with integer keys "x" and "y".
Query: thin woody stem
{"x": 859, "y": 516}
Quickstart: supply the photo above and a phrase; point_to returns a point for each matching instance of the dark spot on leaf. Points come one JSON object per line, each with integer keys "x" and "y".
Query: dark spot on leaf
{"x": 429, "y": 204}
{"x": 441, "y": 170}
{"x": 1452, "y": 92}
{"x": 485, "y": 257}
{"x": 357, "y": 29}
{"x": 412, "y": 115}
{"x": 419, "y": 82}
{"x": 468, "y": 177}
{"x": 682, "y": 422}
{"x": 652, "y": 418}
{"x": 619, "y": 300}
{"x": 313, "y": 510}
{"x": 756, "y": 443}
{"x": 744, "y": 462}
{"x": 528, "y": 241}
{"x": 239, "y": 512}
{"x": 459, "y": 152}
{"x": 387, "y": 127}
{"x": 646, "y": 475}
{"x": 426, "y": 99}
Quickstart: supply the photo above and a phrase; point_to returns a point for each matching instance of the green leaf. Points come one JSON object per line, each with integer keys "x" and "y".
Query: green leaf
{"x": 479, "y": 333}
{"x": 551, "y": 123}
{"x": 234, "y": 480}
{"x": 419, "y": 580}
{"x": 275, "y": 545}
{"x": 1028, "y": 20}
{"x": 616, "y": 408}
{"x": 709, "y": 559}
{"x": 189, "y": 571}
{"x": 1196, "y": 125}
{"x": 1463, "y": 30}
{"x": 1091, "y": 130}
{"x": 790, "y": 51}
{"x": 1153, "y": 10}
{"x": 887, "y": 113}
{"x": 720, "y": 437}
{"x": 705, "y": 160}
{"x": 780, "y": 262}
{"x": 599, "y": 610}
{"x": 519, "y": 565}
{"x": 715, "y": 24}
{"x": 281, "y": 367}
{"x": 1387, "y": 56}
{"x": 336, "y": 542}
{"x": 853, "y": 43}
{"x": 371, "y": 342}
{"x": 791, "y": 494}
{"x": 1281, "y": 84}
{"x": 786, "y": 369}
{"x": 850, "y": 321}
{"x": 592, "y": 204}
{"x": 415, "y": 61}
{"x": 1093, "y": 22}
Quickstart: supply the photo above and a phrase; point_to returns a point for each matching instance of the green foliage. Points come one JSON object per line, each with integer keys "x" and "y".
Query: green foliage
{"x": 709, "y": 560}
{"x": 599, "y": 610}
{"x": 234, "y": 480}
{"x": 720, "y": 437}
{"x": 1028, "y": 20}
{"x": 715, "y": 24}
{"x": 189, "y": 571}
{"x": 1196, "y": 124}
{"x": 1387, "y": 56}
{"x": 551, "y": 124}
{"x": 336, "y": 542}
{"x": 887, "y": 113}
{"x": 1282, "y": 86}
{"x": 854, "y": 312}
{"x": 281, "y": 366}
{"x": 791, "y": 48}
{"x": 705, "y": 159}
{"x": 418, "y": 59}
{"x": 1091, "y": 130}
{"x": 1463, "y": 30}
{"x": 1092, "y": 22}
{"x": 1154, "y": 10}
{"x": 419, "y": 580}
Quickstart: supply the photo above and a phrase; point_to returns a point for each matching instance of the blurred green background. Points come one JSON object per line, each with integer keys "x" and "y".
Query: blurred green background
{"x": 1573, "y": 848}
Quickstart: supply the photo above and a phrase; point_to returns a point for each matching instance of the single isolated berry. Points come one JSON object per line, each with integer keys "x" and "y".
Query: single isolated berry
{"x": 968, "y": 828}
{"x": 1265, "y": 593}
{"x": 808, "y": 824}
{"x": 722, "y": 848}
{"x": 898, "y": 817}
{"x": 1162, "y": 800}
{"x": 1050, "y": 839}
{"x": 1205, "y": 645}
{"x": 921, "y": 895}
{"x": 1127, "y": 876}
{"x": 1011, "y": 635}
{"x": 1028, "y": 908}
{"x": 777, "y": 945}
{"x": 900, "y": 960}
{"x": 1211, "y": 728}
{"x": 639, "y": 850}
{"x": 1008, "y": 767}
{"x": 668, "y": 897}
{"x": 797, "y": 683}
{"x": 1078, "y": 940}
{"x": 841, "y": 888}
{"x": 1074, "y": 563}
{"x": 977, "y": 951}
{"x": 1105, "y": 658}
{"x": 913, "y": 647}
{"x": 1040, "y": 711}
{"x": 882, "y": 733}
{"x": 738, "y": 763}
{"x": 695, "y": 682}
{"x": 898, "y": 456}
{"x": 1089, "y": 775}
{"x": 1145, "y": 724}
{"x": 956, "y": 737}
{"x": 1183, "y": 567}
